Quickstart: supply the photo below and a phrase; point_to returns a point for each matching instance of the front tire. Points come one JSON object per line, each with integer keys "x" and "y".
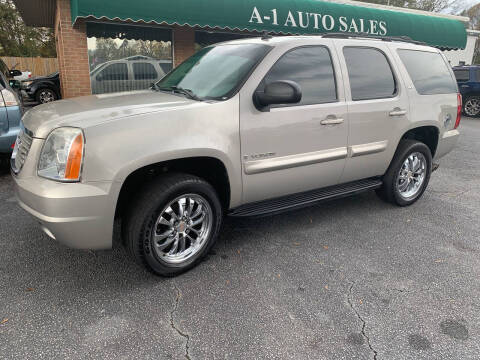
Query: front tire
{"x": 408, "y": 175}
{"x": 173, "y": 224}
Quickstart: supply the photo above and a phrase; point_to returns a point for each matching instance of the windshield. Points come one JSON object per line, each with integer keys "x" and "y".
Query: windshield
{"x": 215, "y": 72}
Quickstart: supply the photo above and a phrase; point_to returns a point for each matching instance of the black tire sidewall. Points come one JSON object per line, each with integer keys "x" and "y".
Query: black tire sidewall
{"x": 465, "y": 102}
{"x": 37, "y": 95}
{"x": 148, "y": 210}
{"x": 408, "y": 148}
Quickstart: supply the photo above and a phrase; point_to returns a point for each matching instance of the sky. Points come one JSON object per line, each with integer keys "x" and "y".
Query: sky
{"x": 460, "y": 6}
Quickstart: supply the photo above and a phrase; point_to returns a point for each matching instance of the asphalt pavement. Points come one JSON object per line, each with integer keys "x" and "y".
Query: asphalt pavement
{"x": 350, "y": 279}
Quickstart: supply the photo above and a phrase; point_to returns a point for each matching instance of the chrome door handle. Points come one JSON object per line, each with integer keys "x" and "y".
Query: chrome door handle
{"x": 331, "y": 121}
{"x": 465, "y": 86}
{"x": 397, "y": 112}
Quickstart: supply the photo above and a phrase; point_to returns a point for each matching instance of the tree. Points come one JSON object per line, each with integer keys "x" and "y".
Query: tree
{"x": 17, "y": 39}
{"x": 474, "y": 14}
{"x": 427, "y": 5}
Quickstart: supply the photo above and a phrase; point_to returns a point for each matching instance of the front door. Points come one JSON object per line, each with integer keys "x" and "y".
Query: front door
{"x": 297, "y": 147}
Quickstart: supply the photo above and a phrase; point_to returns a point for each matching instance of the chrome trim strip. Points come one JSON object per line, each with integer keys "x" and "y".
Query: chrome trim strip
{"x": 290, "y": 161}
{"x": 370, "y": 148}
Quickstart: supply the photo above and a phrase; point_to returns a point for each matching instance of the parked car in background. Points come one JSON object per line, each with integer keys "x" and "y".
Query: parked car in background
{"x": 245, "y": 128}
{"x": 133, "y": 73}
{"x": 10, "y": 113}
{"x": 25, "y": 76}
{"x": 468, "y": 79}
{"x": 43, "y": 89}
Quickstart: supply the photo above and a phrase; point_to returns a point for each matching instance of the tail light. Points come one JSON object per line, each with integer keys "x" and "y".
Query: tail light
{"x": 459, "y": 110}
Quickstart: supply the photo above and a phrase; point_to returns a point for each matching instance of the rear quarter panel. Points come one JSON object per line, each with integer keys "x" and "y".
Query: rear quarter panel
{"x": 438, "y": 110}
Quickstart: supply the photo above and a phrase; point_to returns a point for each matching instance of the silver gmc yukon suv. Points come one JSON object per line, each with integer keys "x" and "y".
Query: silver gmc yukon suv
{"x": 242, "y": 128}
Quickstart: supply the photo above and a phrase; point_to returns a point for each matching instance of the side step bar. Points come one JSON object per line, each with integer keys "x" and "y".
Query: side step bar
{"x": 289, "y": 202}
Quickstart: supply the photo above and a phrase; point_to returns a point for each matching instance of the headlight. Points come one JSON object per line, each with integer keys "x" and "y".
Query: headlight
{"x": 62, "y": 155}
{"x": 26, "y": 84}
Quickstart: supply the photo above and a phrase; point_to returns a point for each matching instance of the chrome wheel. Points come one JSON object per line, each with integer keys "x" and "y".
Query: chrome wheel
{"x": 412, "y": 175}
{"x": 472, "y": 107}
{"x": 46, "y": 96}
{"x": 182, "y": 229}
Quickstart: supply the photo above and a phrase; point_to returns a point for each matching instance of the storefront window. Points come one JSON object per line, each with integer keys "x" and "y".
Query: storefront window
{"x": 206, "y": 38}
{"x": 124, "y": 57}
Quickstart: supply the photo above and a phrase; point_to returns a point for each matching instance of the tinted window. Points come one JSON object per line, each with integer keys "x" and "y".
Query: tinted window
{"x": 143, "y": 71}
{"x": 370, "y": 74}
{"x": 462, "y": 75}
{"x": 312, "y": 69}
{"x": 478, "y": 74}
{"x": 115, "y": 72}
{"x": 130, "y": 44}
{"x": 166, "y": 67}
{"x": 429, "y": 72}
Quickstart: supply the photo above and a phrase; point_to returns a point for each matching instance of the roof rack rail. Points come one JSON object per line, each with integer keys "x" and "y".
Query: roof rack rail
{"x": 341, "y": 35}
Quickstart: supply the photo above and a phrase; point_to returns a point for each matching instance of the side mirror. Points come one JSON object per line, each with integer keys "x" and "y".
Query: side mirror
{"x": 13, "y": 73}
{"x": 278, "y": 92}
{"x": 99, "y": 77}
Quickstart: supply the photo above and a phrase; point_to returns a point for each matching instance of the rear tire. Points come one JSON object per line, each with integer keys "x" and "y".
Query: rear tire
{"x": 471, "y": 106}
{"x": 408, "y": 174}
{"x": 45, "y": 95}
{"x": 173, "y": 224}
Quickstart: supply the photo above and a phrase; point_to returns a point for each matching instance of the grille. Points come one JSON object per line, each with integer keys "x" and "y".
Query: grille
{"x": 22, "y": 146}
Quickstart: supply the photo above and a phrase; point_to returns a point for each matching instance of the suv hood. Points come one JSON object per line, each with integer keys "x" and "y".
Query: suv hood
{"x": 92, "y": 110}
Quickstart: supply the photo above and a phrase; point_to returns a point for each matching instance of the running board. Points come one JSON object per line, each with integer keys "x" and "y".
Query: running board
{"x": 303, "y": 199}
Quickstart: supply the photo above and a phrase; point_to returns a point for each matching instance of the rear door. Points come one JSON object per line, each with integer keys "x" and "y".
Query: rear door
{"x": 377, "y": 104}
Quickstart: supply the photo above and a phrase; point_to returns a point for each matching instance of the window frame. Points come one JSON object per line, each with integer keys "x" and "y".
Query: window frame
{"x": 294, "y": 105}
{"x": 392, "y": 70}
{"x": 447, "y": 64}
{"x": 468, "y": 72}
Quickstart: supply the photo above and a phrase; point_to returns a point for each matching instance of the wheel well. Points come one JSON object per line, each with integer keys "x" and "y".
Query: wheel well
{"x": 210, "y": 169}
{"x": 425, "y": 134}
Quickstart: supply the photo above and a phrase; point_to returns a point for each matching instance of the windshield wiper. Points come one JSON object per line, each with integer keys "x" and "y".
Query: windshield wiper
{"x": 189, "y": 93}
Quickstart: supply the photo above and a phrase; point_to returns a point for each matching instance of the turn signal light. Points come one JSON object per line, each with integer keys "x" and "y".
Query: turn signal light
{"x": 74, "y": 161}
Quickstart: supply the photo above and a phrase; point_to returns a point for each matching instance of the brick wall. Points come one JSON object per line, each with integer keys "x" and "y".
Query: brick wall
{"x": 183, "y": 44}
{"x": 71, "y": 52}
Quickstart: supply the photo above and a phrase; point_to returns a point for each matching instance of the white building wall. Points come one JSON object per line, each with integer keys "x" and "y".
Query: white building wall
{"x": 466, "y": 55}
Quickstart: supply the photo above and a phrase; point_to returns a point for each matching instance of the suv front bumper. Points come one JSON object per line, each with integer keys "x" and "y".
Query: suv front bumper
{"x": 79, "y": 215}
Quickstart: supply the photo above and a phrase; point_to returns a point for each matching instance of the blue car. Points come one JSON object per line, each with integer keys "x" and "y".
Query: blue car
{"x": 11, "y": 112}
{"x": 468, "y": 79}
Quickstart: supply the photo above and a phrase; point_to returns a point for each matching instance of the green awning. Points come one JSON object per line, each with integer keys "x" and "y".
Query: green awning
{"x": 279, "y": 17}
